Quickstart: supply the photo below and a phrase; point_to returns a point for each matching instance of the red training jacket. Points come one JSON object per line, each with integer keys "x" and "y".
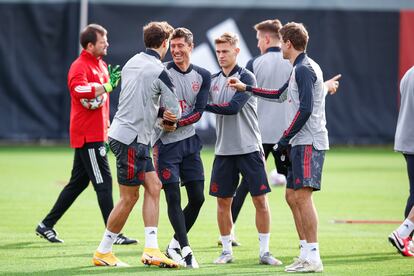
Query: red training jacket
{"x": 87, "y": 125}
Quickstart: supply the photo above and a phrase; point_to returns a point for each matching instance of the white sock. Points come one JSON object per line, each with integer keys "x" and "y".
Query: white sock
{"x": 151, "y": 240}
{"x": 107, "y": 241}
{"x": 185, "y": 251}
{"x": 303, "y": 249}
{"x": 313, "y": 252}
{"x": 405, "y": 228}
{"x": 233, "y": 229}
{"x": 226, "y": 241}
{"x": 174, "y": 243}
{"x": 264, "y": 243}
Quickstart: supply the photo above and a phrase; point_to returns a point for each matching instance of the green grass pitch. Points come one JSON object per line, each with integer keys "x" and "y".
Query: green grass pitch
{"x": 362, "y": 183}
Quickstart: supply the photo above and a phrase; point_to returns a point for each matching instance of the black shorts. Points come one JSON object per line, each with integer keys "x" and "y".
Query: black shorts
{"x": 226, "y": 170}
{"x": 306, "y": 169}
{"x": 179, "y": 161}
{"x": 132, "y": 162}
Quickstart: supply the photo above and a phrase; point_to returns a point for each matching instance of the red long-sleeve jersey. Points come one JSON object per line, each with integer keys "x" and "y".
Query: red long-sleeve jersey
{"x": 87, "y": 125}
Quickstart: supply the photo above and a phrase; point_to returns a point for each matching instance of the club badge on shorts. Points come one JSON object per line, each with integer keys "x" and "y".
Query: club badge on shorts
{"x": 102, "y": 151}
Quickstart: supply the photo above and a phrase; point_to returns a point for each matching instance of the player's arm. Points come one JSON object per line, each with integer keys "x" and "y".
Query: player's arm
{"x": 229, "y": 108}
{"x": 200, "y": 104}
{"x": 278, "y": 95}
{"x": 81, "y": 88}
{"x": 164, "y": 86}
{"x": 305, "y": 80}
{"x": 237, "y": 101}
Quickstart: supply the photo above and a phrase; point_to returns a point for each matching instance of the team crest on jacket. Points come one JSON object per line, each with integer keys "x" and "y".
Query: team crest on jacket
{"x": 166, "y": 173}
{"x": 102, "y": 151}
{"x": 215, "y": 88}
{"x": 195, "y": 86}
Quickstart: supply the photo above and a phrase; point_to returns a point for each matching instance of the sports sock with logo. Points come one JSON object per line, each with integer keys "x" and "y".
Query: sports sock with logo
{"x": 405, "y": 228}
{"x": 226, "y": 241}
{"x": 264, "y": 243}
{"x": 107, "y": 241}
{"x": 151, "y": 239}
{"x": 313, "y": 252}
{"x": 303, "y": 249}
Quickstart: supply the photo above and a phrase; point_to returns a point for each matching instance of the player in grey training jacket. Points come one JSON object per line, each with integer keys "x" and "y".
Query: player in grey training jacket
{"x": 401, "y": 238}
{"x": 307, "y": 134}
{"x": 144, "y": 82}
{"x": 270, "y": 70}
{"x": 177, "y": 153}
{"x": 238, "y": 150}
{"x": 404, "y": 134}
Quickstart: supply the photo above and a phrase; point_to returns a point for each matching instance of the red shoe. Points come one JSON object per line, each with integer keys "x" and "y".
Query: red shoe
{"x": 402, "y": 244}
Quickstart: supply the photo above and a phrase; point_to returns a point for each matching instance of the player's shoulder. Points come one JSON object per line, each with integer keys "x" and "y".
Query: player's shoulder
{"x": 244, "y": 71}
{"x": 306, "y": 67}
{"x": 169, "y": 64}
{"x": 216, "y": 75}
{"x": 251, "y": 62}
{"x": 80, "y": 64}
{"x": 246, "y": 76}
{"x": 202, "y": 71}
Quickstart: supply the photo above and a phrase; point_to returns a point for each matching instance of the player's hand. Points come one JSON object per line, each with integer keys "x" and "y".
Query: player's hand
{"x": 333, "y": 84}
{"x": 169, "y": 116}
{"x": 236, "y": 84}
{"x": 114, "y": 78}
{"x": 114, "y": 75}
{"x": 283, "y": 147}
{"x": 169, "y": 126}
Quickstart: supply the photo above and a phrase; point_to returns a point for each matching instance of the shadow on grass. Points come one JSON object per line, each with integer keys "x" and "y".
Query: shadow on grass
{"x": 84, "y": 270}
{"x": 131, "y": 253}
{"x": 23, "y": 245}
{"x": 360, "y": 258}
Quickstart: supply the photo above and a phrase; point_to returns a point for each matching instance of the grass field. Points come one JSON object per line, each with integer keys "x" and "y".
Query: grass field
{"x": 359, "y": 184}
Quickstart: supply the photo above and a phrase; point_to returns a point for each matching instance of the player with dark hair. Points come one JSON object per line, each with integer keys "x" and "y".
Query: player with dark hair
{"x": 88, "y": 78}
{"x": 272, "y": 70}
{"x": 177, "y": 148}
{"x": 144, "y": 82}
{"x": 306, "y": 135}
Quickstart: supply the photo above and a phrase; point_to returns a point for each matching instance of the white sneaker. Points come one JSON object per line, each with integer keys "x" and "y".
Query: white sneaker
{"x": 292, "y": 267}
{"x": 309, "y": 266}
{"x": 224, "y": 258}
{"x": 190, "y": 261}
{"x": 268, "y": 259}
{"x": 175, "y": 255}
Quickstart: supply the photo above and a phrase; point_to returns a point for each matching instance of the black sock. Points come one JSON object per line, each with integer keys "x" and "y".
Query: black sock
{"x": 195, "y": 194}
{"x": 175, "y": 213}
